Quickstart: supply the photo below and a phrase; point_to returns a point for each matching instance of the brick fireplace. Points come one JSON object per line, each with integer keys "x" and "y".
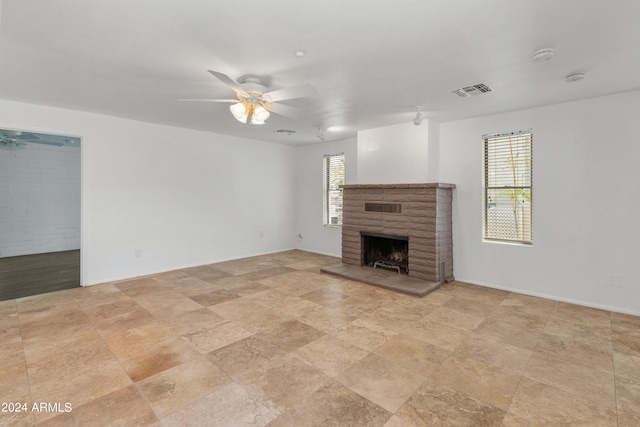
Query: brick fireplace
{"x": 417, "y": 214}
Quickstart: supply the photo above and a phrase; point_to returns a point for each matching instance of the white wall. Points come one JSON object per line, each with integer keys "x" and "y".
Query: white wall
{"x": 181, "y": 197}
{"x": 586, "y": 182}
{"x": 394, "y": 154}
{"x": 317, "y": 237}
{"x": 39, "y": 200}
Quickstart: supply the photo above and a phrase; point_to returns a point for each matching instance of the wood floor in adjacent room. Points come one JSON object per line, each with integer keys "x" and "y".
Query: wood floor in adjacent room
{"x": 28, "y": 275}
{"x": 271, "y": 341}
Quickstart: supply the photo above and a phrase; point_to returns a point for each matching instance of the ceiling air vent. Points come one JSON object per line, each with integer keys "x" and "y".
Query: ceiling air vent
{"x": 285, "y": 131}
{"x": 467, "y": 91}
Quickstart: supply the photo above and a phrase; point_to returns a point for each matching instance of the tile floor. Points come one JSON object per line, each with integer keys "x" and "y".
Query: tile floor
{"x": 271, "y": 341}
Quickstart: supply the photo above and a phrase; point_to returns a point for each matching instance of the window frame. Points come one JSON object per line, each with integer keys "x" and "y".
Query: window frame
{"x": 522, "y": 188}
{"x": 328, "y": 207}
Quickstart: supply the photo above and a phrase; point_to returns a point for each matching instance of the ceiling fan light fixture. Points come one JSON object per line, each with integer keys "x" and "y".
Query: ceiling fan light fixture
{"x": 260, "y": 114}
{"x": 239, "y": 111}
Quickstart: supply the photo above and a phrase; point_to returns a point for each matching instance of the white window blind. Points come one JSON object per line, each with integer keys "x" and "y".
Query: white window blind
{"x": 333, "y": 180}
{"x": 508, "y": 187}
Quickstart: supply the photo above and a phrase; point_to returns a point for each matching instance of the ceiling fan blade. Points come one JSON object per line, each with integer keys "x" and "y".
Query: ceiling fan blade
{"x": 207, "y": 100}
{"x": 290, "y": 93}
{"x": 27, "y": 135}
{"x": 56, "y": 144}
{"x": 229, "y": 82}
{"x": 284, "y": 110}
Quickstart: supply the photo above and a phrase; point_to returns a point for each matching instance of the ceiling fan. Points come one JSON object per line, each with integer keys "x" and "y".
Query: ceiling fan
{"x": 14, "y": 140}
{"x": 253, "y": 105}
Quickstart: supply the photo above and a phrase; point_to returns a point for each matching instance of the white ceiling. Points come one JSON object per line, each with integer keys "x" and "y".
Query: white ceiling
{"x": 371, "y": 61}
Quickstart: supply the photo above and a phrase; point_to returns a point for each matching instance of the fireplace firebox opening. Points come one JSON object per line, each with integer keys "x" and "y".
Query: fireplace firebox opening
{"x": 384, "y": 251}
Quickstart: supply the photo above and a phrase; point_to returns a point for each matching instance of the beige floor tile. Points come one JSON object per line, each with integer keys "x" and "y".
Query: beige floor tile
{"x": 628, "y": 402}
{"x": 250, "y": 288}
{"x": 294, "y": 347}
{"x": 209, "y": 339}
{"x": 50, "y": 340}
{"x": 537, "y": 404}
{"x": 479, "y": 380}
{"x": 434, "y": 404}
{"x": 366, "y": 335}
{"x": 381, "y": 381}
{"x": 107, "y": 311}
{"x": 625, "y": 333}
{"x": 208, "y": 273}
{"x": 261, "y": 320}
{"x": 396, "y": 421}
{"x": 290, "y": 335}
{"x": 294, "y": 307}
{"x": 330, "y": 355}
{"x": 143, "y": 287}
{"x": 14, "y": 386}
{"x": 191, "y": 321}
{"x": 135, "y": 318}
{"x": 282, "y": 383}
{"x": 327, "y": 319}
{"x": 626, "y": 366}
{"x": 593, "y": 352}
{"x": 94, "y": 296}
{"x": 58, "y": 313}
{"x": 267, "y": 297}
{"x": 333, "y": 405}
{"x": 236, "y": 308}
{"x": 413, "y": 354}
{"x": 583, "y": 381}
{"x": 529, "y": 304}
{"x": 293, "y": 284}
{"x": 245, "y": 265}
{"x": 11, "y": 349}
{"x": 436, "y": 333}
{"x": 212, "y": 298}
{"x": 77, "y": 375}
{"x": 269, "y": 272}
{"x": 44, "y": 301}
{"x": 324, "y": 296}
{"x": 518, "y": 332}
{"x": 477, "y": 293}
{"x": 137, "y": 338}
{"x": 568, "y": 319}
{"x": 229, "y": 406}
{"x": 177, "y": 387}
{"x": 245, "y": 355}
{"x": 124, "y": 407}
{"x": 492, "y": 352}
{"x": 455, "y": 318}
{"x": 156, "y": 358}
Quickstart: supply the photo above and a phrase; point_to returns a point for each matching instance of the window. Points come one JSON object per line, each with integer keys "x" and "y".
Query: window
{"x": 508, "y": 187}
{"x": 333, "y": 180}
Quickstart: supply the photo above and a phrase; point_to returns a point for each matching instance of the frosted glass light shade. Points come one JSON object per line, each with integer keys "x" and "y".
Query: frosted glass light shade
{"x": 260, "y": 115}
{"x": 238, "y": 110}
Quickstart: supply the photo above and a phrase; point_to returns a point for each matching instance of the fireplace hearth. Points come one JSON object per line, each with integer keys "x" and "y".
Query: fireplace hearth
{"x": 397, "y": 228}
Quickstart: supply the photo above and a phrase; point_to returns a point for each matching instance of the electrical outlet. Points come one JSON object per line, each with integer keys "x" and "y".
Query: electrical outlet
{"x": 137, "y": 253}
{"x": 615, "y": 281}
{"x": 261, "y": 233}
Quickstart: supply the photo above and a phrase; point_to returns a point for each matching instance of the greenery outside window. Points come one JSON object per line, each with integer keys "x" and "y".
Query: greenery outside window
{"x": 333, "y": 173}
{"x": 508, "y": 187}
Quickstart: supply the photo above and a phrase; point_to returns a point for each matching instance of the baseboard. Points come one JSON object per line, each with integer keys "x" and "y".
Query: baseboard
{"x": 552, "y": 297}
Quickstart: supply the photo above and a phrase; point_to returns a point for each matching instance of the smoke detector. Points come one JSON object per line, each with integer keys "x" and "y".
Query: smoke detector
{"x": 542, "y": 55}
{"x": 473, "y": 90}
{"x": 574, "y": 77}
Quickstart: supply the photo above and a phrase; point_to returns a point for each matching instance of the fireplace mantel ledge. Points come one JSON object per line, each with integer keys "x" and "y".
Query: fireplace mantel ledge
{"x": 383, "y": 186}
